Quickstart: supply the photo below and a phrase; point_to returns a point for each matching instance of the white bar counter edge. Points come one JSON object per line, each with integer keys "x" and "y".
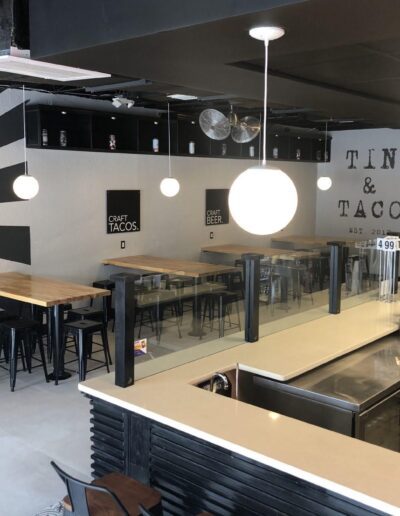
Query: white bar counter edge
{"x": 324, "y": 458}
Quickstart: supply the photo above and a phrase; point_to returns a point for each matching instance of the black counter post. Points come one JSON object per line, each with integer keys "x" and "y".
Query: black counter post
{"x": 124, "y": 329}
{"x": 251, "y": 295}
{"x": 335, "y": 277}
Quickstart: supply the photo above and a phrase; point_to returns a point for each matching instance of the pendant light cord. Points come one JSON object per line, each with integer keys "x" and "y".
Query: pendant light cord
{"x": 264, "y": 161}
{"x": 169, "y": 144}
{"x": 24, "y": 124}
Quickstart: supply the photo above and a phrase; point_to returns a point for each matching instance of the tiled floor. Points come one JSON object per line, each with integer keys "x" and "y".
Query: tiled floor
{"x": 41, "y": 422}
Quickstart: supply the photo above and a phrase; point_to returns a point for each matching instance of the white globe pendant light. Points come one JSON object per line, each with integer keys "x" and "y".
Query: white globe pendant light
{"x": 169, "y": 186}
{"x": 263, "y": 200}
{"x": 325, "y": 182}
{"x": 25, "y": 186}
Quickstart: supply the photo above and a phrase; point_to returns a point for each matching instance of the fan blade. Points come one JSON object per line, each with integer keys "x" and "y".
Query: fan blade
{"x": 214, "y": 124}
{"x": 247, "y": 129}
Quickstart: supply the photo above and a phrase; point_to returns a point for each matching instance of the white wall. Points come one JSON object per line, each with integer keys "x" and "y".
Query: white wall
{"x": 68, "y": 216}
{"x": 353, "y": 185}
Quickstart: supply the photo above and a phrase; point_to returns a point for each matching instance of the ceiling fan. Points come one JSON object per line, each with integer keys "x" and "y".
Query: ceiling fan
{"x": 217, "y": 126}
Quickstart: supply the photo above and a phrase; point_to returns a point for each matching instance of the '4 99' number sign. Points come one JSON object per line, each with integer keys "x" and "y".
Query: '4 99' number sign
{"x": 388, "y": 244}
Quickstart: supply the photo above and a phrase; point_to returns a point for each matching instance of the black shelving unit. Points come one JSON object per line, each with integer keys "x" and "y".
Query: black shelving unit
{"x": 91, "y": 131}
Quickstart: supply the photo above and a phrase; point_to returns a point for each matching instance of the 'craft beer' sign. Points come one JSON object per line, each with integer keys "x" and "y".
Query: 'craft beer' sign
{"x": 217, "y": 210}
{"x": 123, "y": 211}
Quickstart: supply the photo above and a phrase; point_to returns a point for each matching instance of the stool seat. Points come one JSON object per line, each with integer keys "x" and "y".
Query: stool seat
{"x": 87, "y": 311}
{"x": 85, "y": 325}
{"x": 106, "y": 284}
{"x": 20, "y": 324}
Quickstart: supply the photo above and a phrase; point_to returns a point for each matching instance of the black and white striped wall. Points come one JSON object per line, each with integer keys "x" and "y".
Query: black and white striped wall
{"x": 15, "y": 241}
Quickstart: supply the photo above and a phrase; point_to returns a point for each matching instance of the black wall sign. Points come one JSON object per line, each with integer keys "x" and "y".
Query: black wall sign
{"x": 123, "y": 211}
{"x": 15, "y": 244}
{"x": 217, "y": 210}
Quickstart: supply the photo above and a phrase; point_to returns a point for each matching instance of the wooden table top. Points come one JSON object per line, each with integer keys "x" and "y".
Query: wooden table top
{"x": 44, "y": 291}
{"x": 169, "y": 265}
{"x": 268, "y": 252}
{"x": 321, "y": 241}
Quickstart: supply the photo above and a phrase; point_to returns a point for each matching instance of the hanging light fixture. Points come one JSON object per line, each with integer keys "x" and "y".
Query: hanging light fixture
{"x": 169, "y": 186}
{"x": 263, "y": 200}
{"x": 25, "y": 186}
{"x": 325, "y": 182}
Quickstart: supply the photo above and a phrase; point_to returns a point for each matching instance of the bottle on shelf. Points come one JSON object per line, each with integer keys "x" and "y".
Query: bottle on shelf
{"x": 275, "y": 149}
{"x": 251, "y": 151}
{"x": 156, "y": 145}
{"x": 224, "y": 149}
{"x": 112, "y": 142}
{"x": 63, "y": 138}
{"x": 298, "y": 150}
{"x": 192, "y": 147}
{"x": 45, "y": 138}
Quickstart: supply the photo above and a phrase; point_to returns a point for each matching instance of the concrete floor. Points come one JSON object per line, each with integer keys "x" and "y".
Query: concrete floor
{"x": 41, "y": 422}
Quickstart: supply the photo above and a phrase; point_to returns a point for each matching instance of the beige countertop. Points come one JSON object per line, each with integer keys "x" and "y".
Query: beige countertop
{"x": 325, "y": 458}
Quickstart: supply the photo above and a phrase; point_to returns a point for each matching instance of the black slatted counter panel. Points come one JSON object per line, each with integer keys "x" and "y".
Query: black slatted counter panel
{"x": 194, "y": 475}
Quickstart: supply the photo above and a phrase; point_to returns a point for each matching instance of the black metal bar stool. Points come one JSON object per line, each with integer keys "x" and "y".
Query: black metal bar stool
{"x": 93, "y": 314}
{"x": 83, "y": 331}
{"x": 21, "y": 334}
{"x": 221, "y": 302}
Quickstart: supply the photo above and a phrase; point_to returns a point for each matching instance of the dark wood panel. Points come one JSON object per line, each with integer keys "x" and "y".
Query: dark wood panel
{"x": 11, "y": 126}
{"x": 194, "y": 475}
{"x": 15, "y": 244}
{"x": 7, "y": 178}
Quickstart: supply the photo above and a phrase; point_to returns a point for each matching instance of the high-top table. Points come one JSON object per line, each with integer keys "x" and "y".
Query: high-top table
{"x": 310, "y": 241}
{"x": 267, "y": 252}
{"x": 193, "y": 269}
{"x": 51, "y": 294}
{"x": 169, "y": 265}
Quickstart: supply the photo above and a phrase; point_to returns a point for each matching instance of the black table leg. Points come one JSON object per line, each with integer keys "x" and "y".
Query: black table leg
{"x": 58, "y": 344}
{"x": 197, "y": 330}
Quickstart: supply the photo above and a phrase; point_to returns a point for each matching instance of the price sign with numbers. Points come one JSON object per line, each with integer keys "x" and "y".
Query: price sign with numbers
{"x": 388, "y": 244}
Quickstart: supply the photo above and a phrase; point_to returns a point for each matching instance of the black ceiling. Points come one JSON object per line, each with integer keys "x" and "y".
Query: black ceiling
{"x": 339, "y": 59}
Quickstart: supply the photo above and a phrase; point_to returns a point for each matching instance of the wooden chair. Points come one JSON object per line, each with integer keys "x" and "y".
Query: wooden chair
{"x": 112, "y": 495}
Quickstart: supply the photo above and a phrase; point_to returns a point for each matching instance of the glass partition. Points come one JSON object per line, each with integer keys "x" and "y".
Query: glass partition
{"x": 181, "y": 318}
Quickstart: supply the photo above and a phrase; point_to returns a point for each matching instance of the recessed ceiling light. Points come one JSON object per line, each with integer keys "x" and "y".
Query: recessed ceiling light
{"x": 63, "y": 112}
{"x": 113, "y": 118}
{"x": 50, "y": 71}
{"x": 181, "y": 96}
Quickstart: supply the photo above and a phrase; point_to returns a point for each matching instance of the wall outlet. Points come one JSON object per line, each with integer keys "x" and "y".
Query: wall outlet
{"x": 122, "y": 244}
{"x": 211, "y": 235}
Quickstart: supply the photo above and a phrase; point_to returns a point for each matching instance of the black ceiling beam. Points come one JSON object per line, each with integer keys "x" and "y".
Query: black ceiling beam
{"x": 59, "y": 26}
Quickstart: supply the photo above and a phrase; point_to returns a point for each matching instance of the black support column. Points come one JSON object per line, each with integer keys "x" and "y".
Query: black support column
{"x": 124, "y": 329}
{"x": 335, "y": 277}
{"x": 251, "y": 295}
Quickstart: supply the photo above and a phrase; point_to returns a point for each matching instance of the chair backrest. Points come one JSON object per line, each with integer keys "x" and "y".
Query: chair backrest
{"x": 77, "y": 491}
